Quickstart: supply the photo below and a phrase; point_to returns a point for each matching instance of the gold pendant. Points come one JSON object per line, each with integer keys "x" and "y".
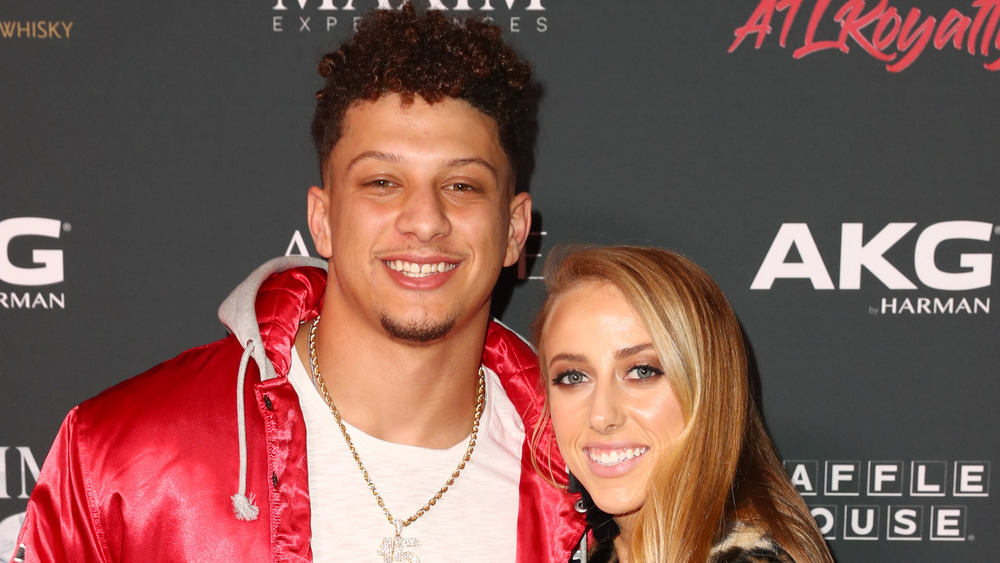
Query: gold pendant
{"x": 391, "y": 549}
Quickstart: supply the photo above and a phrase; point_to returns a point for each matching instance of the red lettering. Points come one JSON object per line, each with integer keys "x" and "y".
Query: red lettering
{"x": 879, "y": 38}
{"x": 990, "y": 30}
{"x": 907, "y": 39}
{"x": 811, "y": 45}
{"x": 953, "y": 27}
{"x": 759, "y": 23}
{"x": 793, "y": 9}
{"x": 853, "y": 21}
{"x": 995, "y": 65}
{"x": 880, "y": 31}
{"x": 977, "y": 24}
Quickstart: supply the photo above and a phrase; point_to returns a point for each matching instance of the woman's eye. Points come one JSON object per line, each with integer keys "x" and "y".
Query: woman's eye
{"x": 569, "y": 378}
{"x": 644, "y": 372}
{"x": 380, "y": 183}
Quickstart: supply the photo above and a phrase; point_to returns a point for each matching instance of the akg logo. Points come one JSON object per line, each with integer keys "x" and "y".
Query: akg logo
{"x": 50, "y": 262}
{"x": 855, "y": 255}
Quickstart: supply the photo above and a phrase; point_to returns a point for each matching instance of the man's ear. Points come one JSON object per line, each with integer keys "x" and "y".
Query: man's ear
{"x": 520, "y": 225}
{"x": 318, "y": 202}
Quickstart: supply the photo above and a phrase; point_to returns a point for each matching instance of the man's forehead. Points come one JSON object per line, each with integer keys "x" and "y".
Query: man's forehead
{"x": 407, "y": 103}
{"x": 364, "y": 118}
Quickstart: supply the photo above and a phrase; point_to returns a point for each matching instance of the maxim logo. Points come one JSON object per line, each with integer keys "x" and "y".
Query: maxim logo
{"x": 323, "y": 11}
{"x": 880, "y": 30}
{"x": 25, "y": 467}
{"x": 40, "y": 29}
{"x": 457, "y": 5}
{"x": 47, "y": 263}
{"x": 952, "y": 242}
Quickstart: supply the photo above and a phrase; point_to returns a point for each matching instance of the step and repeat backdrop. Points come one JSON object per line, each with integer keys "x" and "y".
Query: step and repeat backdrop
{"x": 832, "y": 163}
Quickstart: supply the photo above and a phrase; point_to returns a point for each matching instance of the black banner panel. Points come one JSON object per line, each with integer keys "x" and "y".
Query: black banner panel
{"x": 832, "y": 163}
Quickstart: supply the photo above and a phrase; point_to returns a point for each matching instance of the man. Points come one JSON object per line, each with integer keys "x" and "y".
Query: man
{"x": 380, "y": 415}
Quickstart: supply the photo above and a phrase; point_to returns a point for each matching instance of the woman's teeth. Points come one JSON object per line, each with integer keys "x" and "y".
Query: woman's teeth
{"x": 616, "y": 456}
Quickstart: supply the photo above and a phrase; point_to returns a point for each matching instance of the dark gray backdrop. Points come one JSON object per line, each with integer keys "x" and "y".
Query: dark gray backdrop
{"x": 169, "y": 143}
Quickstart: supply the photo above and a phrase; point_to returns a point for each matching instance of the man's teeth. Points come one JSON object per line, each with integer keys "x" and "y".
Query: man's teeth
{"x": 616, "y": 456}
{"x": 414, "y": 270}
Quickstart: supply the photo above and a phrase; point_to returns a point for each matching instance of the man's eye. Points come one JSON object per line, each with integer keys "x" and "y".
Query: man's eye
{"x": 569, "y": 378}
{"x": 644, "y": 372}
{"x": 381, "y": 183}
{"x": 461, "y": 187}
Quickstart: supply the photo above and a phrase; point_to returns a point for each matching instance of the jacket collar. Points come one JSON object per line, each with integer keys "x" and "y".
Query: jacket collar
{"x": 239, "y": 312}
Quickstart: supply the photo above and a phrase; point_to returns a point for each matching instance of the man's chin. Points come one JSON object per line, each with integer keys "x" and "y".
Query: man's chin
{"x": 416, "y": 332}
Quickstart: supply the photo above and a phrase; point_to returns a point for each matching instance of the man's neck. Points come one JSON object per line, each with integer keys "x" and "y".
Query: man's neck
{"x": 415, "y": 395}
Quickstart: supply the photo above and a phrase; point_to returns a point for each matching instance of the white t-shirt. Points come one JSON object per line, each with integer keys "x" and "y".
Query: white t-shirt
{"x": 475, "y": 520}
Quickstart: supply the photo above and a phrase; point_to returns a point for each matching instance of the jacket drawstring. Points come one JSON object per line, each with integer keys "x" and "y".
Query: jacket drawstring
{"x": 243, "y": 506}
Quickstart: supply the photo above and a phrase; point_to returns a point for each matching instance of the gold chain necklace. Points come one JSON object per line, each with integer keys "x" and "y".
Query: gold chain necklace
{"x": 390, "y": 546}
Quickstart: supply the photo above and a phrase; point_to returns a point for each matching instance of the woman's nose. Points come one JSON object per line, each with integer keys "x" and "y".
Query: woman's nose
{"x": 606, "y": 409}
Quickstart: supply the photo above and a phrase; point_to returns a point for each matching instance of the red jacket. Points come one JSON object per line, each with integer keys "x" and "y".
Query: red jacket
{"x": 146, "y": 470}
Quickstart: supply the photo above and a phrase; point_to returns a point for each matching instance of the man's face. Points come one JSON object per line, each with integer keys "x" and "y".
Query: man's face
{"x": 417, "y": 216}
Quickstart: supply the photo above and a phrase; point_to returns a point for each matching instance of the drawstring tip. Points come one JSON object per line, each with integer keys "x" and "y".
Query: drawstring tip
{"x": 244, "y": 507}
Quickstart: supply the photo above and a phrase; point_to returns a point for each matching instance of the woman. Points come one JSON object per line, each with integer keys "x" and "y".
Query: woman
{"x": 647, "y": 390}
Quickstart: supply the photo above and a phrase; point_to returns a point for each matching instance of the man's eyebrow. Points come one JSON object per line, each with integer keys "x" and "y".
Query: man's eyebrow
{"x": 632, "y": 350}
{"x": 396, "y": 159}
{"x": 373, "y": 155}
{"x": 459, "y": 162}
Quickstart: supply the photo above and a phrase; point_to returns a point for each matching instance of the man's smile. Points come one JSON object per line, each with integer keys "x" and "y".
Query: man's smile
{"x": 417, "y": 270}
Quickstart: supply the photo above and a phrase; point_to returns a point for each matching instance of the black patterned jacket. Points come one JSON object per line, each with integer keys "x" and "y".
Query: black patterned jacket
{"x": 744, "y": 543}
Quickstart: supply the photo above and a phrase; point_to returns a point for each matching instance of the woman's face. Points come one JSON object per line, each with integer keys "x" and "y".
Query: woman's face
{"x": 613, "y": 410}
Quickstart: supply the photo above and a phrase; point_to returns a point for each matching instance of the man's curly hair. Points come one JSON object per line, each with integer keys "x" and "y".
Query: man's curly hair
{"x": 433, "y": 56}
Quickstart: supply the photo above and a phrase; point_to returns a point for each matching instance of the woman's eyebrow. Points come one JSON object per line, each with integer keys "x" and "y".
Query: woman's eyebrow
{"x": 566, "y": 356}
{"x": 632, "y": 350}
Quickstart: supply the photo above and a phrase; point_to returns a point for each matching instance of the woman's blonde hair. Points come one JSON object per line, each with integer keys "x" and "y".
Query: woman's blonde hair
{"x": 723, "y": 467}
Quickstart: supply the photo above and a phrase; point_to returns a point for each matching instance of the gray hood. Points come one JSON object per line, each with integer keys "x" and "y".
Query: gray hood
{"x": 237, "y": 312}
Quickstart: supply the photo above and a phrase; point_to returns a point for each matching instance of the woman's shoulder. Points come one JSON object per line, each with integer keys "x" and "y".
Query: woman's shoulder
{"x": 747, "y": 543}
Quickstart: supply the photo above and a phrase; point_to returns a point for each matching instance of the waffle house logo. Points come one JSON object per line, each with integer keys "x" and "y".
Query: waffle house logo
{"x": 892, "y": 500}
{"x": 894, "y": 35}
{"x": 946, "y": 258}
{"x": 309, "y": 16}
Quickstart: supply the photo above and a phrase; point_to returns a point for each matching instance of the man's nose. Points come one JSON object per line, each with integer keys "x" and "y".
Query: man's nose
{"x": 424, "y": 214}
